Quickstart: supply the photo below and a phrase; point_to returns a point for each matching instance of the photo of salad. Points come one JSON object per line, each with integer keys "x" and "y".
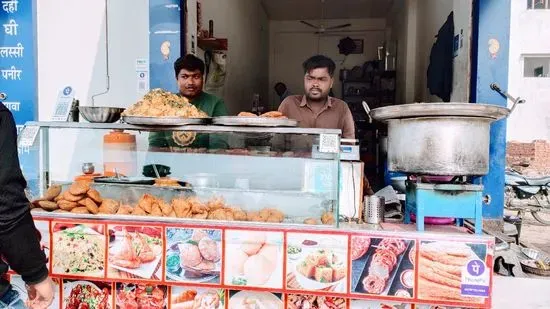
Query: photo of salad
{"x": 141, "y": 296}
{"x": 89, "y": 259}
{"x": 135, "y": 252}
{"x": 193, "y": 255}
{"x": 197, "y": 298}
{"x": 87, "y": 295}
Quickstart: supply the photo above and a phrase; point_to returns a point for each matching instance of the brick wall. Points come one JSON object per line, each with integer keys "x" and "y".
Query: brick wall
{"x": 536, "y": 153}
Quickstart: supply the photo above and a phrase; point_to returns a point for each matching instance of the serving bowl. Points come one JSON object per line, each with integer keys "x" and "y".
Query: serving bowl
{"x": 100, "y": 114}
{"x": 311, "y": 284}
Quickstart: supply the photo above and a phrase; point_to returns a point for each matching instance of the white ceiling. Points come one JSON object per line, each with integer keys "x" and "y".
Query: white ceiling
{"x": 334, "y": 9}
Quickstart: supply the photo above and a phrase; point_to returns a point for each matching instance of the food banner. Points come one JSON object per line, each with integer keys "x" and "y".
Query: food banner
{"x": 18, "y": 78}
{"x": 183, "y": 265}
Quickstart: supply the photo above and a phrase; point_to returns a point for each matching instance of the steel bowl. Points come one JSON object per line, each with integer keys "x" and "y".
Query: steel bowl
{"x": 88, "y": 168}
{"x": 100, "y": 114}
{"x": 534, "y": 254}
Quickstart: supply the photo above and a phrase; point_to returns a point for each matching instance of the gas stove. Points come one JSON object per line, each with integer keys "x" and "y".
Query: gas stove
{"x": 444, "y": 197}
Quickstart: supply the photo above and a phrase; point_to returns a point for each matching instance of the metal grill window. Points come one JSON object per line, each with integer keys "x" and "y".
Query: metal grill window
{"x": 538, "y": 4}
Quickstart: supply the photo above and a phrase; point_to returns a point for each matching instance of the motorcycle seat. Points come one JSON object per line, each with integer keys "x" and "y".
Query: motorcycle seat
{"x": 539, "y": 181}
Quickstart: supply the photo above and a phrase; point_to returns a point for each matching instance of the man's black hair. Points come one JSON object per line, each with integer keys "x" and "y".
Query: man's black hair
{"x": 280, "y": 88}
{"x": 318, "y": 62}
{"x": 279, "y": 84}
{"x": 190, "y": 63}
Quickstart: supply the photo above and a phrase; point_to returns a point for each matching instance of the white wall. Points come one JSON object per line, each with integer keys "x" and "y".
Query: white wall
{"x": 402, "y": 25}
{"x": 432, "y": 14}
{"x": 292, "y": 42}
{"x": 71, "y": 51}
{"x": 414, "y": 25}
{"x": 244, "y": 23}
{"x": 529, "y": 33}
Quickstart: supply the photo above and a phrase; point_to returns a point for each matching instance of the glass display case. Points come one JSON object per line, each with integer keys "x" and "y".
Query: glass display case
{"x": 258, "y": 174}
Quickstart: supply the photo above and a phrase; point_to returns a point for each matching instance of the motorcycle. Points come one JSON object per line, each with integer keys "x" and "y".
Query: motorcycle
{"x": 528, "y": 194}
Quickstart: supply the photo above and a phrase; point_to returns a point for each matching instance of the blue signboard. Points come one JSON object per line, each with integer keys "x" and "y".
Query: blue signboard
{"x": 18, "y": 73}
{"x": 165, "y": 33}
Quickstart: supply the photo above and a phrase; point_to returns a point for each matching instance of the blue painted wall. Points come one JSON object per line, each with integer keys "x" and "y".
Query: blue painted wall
{"x": 23, "y": 89}
{"x": 165, "y": 25}
{"x": 492, "y": 21}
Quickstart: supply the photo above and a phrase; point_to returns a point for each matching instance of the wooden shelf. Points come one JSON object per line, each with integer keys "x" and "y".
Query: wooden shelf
{"x": 212, "y": 44}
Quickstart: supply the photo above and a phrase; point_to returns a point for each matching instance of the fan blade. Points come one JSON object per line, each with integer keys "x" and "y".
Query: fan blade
{"x": 308, "y": 24}
{"x": 339, "y": 27}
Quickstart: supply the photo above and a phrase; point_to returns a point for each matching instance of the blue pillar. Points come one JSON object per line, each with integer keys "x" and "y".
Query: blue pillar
{"x": 490, "y": 53}
{"x": 165, "y": 29}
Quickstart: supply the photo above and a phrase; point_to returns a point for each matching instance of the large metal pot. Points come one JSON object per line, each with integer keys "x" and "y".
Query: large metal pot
{"x": 439, "y": 138}
{"x": 439, "y": 145}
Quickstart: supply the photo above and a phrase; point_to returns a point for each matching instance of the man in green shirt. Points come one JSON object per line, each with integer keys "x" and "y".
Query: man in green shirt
{"x": 189, "y": 71}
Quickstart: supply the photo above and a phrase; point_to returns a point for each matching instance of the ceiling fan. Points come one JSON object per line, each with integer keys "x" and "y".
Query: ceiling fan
{"x": 321, "y": 28}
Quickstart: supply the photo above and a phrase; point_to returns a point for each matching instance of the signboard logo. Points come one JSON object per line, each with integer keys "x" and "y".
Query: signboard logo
{"x": 476, "y": 268}
{"x": 67, "y": 90}
{"x": 475, "y": 279}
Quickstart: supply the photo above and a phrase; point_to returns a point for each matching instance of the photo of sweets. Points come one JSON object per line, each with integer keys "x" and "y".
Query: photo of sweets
{"x": 317, "y": 262}
{"x": 197, "y": 298}
{"x": 382, "y": 266}
{"x": 440, "y": 268}
{"x": 141, "y": 296}
{"x": 254, "y": 258}
{"x": 255, "y": 300}
{"x": 373, "y": 304}
{"x": 87, "y": 294}
{"x": 20, "y": 288}
{"x": 297, "y": 301}
{"x": 193, "y": 255}
{"x": 78, "y": 249}
{"x": 135, "y": 252}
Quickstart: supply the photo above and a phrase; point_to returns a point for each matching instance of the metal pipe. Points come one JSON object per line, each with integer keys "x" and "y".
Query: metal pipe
{"x": 516, "y": 101}
{"x": 108, "y": 79}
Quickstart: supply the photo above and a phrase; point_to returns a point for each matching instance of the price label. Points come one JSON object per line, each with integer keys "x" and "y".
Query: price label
{"x": 27, "y": 136}
{"x": 329, "y": 143}
{"x": 63, "y": 105}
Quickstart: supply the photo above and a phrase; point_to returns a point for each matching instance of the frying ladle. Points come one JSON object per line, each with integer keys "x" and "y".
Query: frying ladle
{"x": 367, "y": 110}
{"x": 156, "y": 171}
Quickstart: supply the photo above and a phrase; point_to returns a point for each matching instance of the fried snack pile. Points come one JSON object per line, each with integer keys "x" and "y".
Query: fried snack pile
{"x": 273, "y": 114}
{"x": 193, "y": 208}
{"x": 161, "y": 103}
{"x": 79, "y": 198}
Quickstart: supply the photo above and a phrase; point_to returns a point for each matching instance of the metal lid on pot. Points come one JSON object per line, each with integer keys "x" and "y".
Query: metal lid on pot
{"x": 452, "y": 109}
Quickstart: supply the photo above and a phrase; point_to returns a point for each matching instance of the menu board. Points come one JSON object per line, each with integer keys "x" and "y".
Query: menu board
{"x": 230, "y": 266}
{"x": 18, "y": 78}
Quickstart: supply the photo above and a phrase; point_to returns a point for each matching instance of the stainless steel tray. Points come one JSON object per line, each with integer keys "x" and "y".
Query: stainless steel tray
{"x": 439, "y": 110}
{"x": 164, "y": 121}
{"x": 254, "y": 121}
